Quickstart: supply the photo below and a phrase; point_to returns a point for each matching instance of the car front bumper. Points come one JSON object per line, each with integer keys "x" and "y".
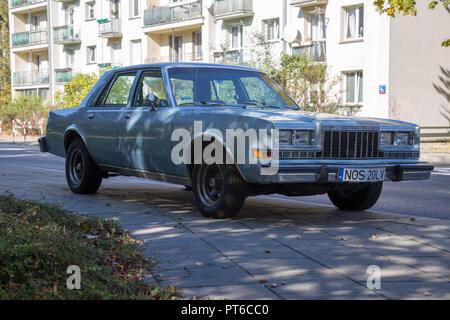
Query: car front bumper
{"x": 328, "y": 173}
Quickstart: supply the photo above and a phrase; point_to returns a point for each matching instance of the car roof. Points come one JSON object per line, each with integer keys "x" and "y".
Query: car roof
{"x": 184, "y": 65}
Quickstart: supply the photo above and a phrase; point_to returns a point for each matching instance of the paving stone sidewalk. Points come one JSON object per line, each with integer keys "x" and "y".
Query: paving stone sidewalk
{"x": 277, "y": 249}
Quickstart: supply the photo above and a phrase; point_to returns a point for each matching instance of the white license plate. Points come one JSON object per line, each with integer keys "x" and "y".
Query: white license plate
{"x": 361, "y": 175}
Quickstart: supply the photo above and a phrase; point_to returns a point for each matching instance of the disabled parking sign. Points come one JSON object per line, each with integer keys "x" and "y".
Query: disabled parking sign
{"x": 382, "y": 89}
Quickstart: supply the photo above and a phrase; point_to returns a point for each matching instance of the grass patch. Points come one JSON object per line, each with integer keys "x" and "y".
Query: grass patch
{"x": 38, "y": 242}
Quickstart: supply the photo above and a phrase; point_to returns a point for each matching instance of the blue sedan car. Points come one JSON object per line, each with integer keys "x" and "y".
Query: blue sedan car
{"x": 228, "y": 133}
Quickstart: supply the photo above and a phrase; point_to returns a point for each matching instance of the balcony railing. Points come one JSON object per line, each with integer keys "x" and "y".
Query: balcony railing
{"x": 316, "y": 51}
{"x": 110, "y": 28}
{"x": 29, "y": 38}
{"x": 232, "y": 7}
{"x": 30, "y": 77}
{"x": 165, "y": 14}
{"x": 186, "y": 57}
{"x": 102, "y": 67}
{"x": 63, "y": 75}
{"x": 234, "y": 57}
{"x": 66, "y": 34}
{"x": 20, "y": 3}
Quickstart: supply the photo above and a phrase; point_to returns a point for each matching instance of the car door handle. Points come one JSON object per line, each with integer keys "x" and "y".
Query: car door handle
{"x": 127, "y": 116}
{"x": 91, "y": 116}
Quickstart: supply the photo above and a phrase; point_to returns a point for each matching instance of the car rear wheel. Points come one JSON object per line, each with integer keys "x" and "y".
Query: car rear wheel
{"x": 82, "y": 173}
{"x": 362, "y": 199}
{"x": 219, "y": 190}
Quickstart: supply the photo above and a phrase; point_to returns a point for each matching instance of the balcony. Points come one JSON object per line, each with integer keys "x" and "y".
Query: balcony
{"x": 21, "y": 3}
{"x": 64, "y": 1}
{"x": 187, "y": 57}
{"x": 307, "y": 3}
{"x": 102, "y": 67}
{"x": 230, "y": 9}
{"x": 315, "y": 51}
{"x": 29, "y": 38}
{"x": 110, "y": 28}
{"x": 63, "y": 75}
{"x": 66, "y": 35}
{"x": 25, "y": 78}
{"x": 163, "y": 14}
{"x": 234, "y": 57}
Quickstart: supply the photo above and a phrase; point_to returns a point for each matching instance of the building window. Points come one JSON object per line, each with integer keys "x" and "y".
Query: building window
{"x": 272, "y": 29}
{"x": 354, "y": 87}
{"x": 90, "y": 10}
{"x": 315, "y": 26}
{"x": 197, "y": 42}
{"x": 91, "y": 54}
{"x": 236, "y": 37}
{"x": 134, "y": 8}
{"x": 354, "y": 23}
{"x": 70, "y": 57}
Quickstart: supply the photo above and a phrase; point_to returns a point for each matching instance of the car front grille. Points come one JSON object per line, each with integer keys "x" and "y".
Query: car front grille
{"x": 348, "y": 144}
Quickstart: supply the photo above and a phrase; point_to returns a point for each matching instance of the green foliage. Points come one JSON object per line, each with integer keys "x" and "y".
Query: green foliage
{"x": 39, "y": 241}
{"x": 307, "y": 83}
{"x": 394, "y": 8}
{"x": 262, "y": 56}
{"x": 25, "y": 108}
{"x": 75, "y": 91}
{"x": 5, "y": 71}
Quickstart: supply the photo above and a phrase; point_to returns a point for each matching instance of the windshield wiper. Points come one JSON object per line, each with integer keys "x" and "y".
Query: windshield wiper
{"x": 261, "y": 104}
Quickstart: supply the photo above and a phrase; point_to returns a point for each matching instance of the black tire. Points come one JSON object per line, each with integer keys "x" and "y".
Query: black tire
{"x": 187, "y": 188}
{"x": 219, "y": 190}
{"x": 362, "y": 199}
{"x": 82, "y": 173}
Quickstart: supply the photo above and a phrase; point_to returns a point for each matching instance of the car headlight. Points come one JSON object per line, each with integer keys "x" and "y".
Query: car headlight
{"x": 284, "y": 136}
{"x": 396, "y": 138}
{"x": 386, "y": 138}
{"x": 302, "y": 137}
{"x": 403, "y": 138}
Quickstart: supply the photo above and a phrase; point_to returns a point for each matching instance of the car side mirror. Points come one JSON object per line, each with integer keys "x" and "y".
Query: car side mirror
{"x": 151, "y": 101}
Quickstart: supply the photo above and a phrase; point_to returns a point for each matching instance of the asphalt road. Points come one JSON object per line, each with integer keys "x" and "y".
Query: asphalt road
{"x": 429, "y": 198}
{"x": 278, "y": 248}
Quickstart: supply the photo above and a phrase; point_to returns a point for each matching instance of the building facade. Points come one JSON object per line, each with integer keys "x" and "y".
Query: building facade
{"x": 381, "y": 67}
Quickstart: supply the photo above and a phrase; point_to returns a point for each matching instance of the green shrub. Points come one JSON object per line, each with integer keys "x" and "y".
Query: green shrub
{"x": 75, "y": 91}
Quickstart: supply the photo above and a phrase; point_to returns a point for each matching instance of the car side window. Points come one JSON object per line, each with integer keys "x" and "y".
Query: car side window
{"x": 151, "y": 82}
{"x": 119, "y": 92}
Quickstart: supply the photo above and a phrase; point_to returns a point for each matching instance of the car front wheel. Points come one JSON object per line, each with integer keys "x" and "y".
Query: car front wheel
{"x": 82, "y": 173}
{"x": 219, "y": 190}
{"x": 362, "y": 199}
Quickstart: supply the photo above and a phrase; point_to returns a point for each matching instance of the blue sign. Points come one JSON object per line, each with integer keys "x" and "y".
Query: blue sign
{"x": 382, "y": 89}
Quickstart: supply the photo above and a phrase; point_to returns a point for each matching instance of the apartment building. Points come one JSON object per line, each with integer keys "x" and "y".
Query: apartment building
{"x": 382, "y": 67}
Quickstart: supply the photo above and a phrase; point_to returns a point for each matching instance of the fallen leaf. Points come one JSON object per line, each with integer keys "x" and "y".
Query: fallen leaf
{"x": 426, "y": 293}
{"x": 267, "y": 251}
{"x": 226, "y": 267}
{"x": 262, "y": 281}
{"x": 374, "y": 237}
{"x": 298, "y": 237}
{"x": 273, "y": 285}
{"x": 412, "y": 219}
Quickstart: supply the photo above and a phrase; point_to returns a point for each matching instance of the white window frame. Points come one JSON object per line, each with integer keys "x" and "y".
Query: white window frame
{"x": 89, "y": 50}
{"x": 133, "y": 9}
{"x": 359, "y": 33}
{"x": 276, "y": 28}
{"x": 239, "y": 37}
{"x": 357, "y": 99}
{"x": 198, "y": 50}
{"x": 90, "y": 9}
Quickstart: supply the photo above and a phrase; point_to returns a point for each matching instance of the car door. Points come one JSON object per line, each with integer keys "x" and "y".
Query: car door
{"x": 101, "y": 119}
{"x": 144, "y": 133}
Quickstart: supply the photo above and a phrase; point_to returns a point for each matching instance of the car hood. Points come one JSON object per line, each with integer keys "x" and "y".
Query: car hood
{"x": 285, "y": 117}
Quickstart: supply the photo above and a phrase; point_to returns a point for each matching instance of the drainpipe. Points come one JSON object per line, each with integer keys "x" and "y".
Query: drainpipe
{"x": 283, "y": 25}
{"x": 50, "y": 53}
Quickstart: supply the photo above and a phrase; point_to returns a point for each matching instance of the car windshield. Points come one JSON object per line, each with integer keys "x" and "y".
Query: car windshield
{"x": 226, "y": 87}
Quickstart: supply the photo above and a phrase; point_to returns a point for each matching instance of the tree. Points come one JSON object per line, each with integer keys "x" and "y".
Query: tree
{"x": 307, "y": 83}
{"x": 5, "y": 71}
{"x": 75, "y": 91}
{"x": 408, "y": 7}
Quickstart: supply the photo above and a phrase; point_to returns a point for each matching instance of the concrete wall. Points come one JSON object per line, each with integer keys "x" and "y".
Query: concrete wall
{"x": 420, "y": 67}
